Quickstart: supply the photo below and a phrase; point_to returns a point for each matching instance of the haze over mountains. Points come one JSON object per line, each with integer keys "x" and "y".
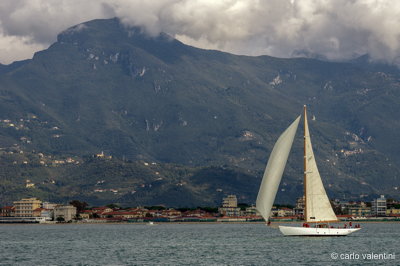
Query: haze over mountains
{"x": 208, "y": 120}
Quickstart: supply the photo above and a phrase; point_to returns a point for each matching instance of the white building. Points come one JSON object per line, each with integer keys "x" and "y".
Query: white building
{"x": 378, "y": 206}
{"x": 299, "y": 209}
{"x": 230, "y": 201}
{"x": 67, "y": 213}
{"x": 229, "y": 207}
{"x": 48, "y": 205}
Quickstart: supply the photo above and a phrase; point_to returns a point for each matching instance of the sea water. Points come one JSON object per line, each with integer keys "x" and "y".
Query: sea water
{"x": 192, "y": 244}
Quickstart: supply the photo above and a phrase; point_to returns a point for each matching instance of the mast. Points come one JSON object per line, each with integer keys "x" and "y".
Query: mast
{"x": 305, "y": 166}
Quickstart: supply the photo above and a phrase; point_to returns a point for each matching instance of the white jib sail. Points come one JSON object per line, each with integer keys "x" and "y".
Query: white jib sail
{"x": 318, "y": 206}
{"x": 274, "y": 170}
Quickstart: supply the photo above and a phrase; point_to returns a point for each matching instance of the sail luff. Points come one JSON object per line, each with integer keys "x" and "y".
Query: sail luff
{"x": 274, "y": 170}
{"x": 317, "y": 204}
{"x": 305, "y": 160}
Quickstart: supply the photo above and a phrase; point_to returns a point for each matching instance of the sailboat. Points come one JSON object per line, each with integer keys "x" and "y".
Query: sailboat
{"x": 318, "y": 210}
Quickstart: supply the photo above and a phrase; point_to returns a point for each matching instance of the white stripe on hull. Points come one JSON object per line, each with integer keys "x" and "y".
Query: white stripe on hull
{"x": 312, "y": 231}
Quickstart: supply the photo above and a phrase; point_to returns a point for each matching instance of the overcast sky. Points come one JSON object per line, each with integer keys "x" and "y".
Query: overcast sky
{"x": 335, "y": 29}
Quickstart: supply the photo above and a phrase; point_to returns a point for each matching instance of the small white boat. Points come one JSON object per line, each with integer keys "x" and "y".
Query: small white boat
{"x": 318, "y": 210}
{"x": 151, "y": 223}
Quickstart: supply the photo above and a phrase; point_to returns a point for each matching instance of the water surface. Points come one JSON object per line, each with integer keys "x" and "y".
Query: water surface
{"x": 191, "y": 244}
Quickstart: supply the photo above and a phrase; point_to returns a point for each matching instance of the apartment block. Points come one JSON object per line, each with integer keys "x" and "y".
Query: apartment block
{"x": 25, "y": 207}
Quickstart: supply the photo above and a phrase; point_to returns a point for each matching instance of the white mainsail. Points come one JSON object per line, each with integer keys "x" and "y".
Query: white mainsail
{"x": 318, "y": 207}
{"x": 274, "y": 170}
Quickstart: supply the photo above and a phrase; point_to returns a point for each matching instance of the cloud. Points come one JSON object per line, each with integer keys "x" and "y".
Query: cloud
{"x": 31, "y": 25}
{"x": 14, "y": 48}
{"x": 334, "y": 29}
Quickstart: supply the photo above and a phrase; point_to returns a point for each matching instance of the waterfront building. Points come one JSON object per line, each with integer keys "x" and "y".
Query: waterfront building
{"x": 358, "y": 209}
{"x": 96, "y": 212}
{"x": 66, "y": 212}
{"x": 7, "y": 211}
{"x": 393, "y": 212}
{"x": 171, "y": 213}
{"x": 285, "y": 212}
{"x": 229, "y": 207}
{"x": 153, "y": 213}
{"x": 281, "y": 212}
{"x": 392, "y": 203}
{"x": 231, "y": 212}
{"x": 299, "y": 209}
{"x": 274, "y": 212}
{"x": 48, "y": 205}
{"x": 251, "y": 211}
{"x": 378, "y": 206}
{"x": 229, "y": 202}
{"x": 25, "y": 207}
{"x": 124, "y": 214}
{"x": 42, "y": 212}
{"x": 194, "y": 213}
{"x": 101, "y": 211}
{"x": 37, "y": 212}
{"x": 86, "y": 214}
{"x": 141, "y": 210}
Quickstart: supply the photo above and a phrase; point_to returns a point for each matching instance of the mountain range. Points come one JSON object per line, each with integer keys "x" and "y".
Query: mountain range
{"x": 205, "y": 116}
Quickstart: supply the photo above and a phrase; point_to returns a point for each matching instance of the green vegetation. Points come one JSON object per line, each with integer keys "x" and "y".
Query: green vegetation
{"x": 80, "y": 206}
{"x": 155, "y": 207}
{"x": 243, "y": 206}
{"x": 113, "y": 206}
{"x": 206, "y": 119}
{"x": 99, "y": 181}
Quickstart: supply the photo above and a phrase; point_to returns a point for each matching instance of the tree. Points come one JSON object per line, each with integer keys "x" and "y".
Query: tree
{"x": 113, "y": 206}
{"x": 209, "y": 209}
{"x": 79, "y": 205}
{"x": 155, "y": 207}
{"x": 60, "y": 219}
{"x": 243, "y": 206}
{"x": 78, "y": 217}
{"x": 184, "y": 209}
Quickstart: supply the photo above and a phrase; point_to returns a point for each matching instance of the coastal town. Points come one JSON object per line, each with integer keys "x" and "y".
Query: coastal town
{"x": 33, "y": 210}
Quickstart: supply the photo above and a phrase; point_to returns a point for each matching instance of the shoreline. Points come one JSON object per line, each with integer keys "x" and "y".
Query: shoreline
{"x": 208, "y": 222}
